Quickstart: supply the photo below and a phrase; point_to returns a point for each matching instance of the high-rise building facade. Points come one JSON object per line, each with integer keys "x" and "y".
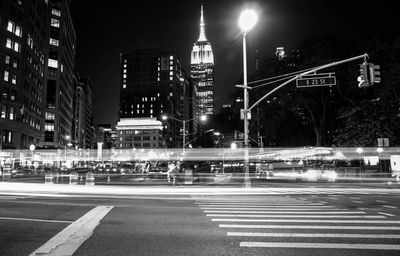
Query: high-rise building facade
{"x": 59, "y": 117}
{"x": 23, "y": 63}
{"x": 84, "y": 130}
{"x": 202, "y": 71}
{"x": 153, "y": 84}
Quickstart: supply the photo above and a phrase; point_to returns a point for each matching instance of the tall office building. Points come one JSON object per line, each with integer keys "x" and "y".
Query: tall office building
{"x": 23, "y": 61}
{"x": 59, "y": 99}
{"x": 202, "y": 70}
{"x": 84, "y": 130}
{"x": 153, "y": 84}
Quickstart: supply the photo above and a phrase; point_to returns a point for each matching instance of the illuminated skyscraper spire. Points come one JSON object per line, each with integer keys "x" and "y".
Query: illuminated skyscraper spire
{"x": 202, "y": 36}
{"x": 202, "y": 70}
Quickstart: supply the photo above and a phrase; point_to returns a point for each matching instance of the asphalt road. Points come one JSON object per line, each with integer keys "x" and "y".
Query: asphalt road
{"x": 306, "y": 220}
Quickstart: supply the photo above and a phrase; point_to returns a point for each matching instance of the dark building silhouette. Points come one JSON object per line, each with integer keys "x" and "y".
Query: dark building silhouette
{"x": 83, "y": 117}
{"x": 154, "y": 84}
{"x": 106, "y": 136}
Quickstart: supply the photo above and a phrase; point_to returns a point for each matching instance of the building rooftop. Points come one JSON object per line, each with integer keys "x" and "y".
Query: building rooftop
{"x": 143, "y": 123}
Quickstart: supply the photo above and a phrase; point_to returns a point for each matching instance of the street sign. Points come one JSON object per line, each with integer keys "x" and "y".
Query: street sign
{"x": 383, "y": 142}
{"x": 242, "y": 115}
{"x": 315, "y": 81}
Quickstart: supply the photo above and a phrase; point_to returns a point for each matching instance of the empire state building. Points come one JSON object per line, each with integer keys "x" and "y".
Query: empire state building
{"x": 202, "y": 71}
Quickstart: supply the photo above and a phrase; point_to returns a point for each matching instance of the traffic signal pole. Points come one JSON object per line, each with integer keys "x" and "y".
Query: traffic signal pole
{"x": 363, "y": 56}
{"x": 247, "y": 110}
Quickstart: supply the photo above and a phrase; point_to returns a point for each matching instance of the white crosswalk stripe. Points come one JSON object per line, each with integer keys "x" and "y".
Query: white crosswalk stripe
{"x": 253, "y": 219}
{"x": 330, "y": 191}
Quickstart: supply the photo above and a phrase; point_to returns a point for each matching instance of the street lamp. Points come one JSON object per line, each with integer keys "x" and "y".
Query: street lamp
{"x": 32, "y": 148}
{"x": 247, "y": 20}
{"x": 202, "y": 118}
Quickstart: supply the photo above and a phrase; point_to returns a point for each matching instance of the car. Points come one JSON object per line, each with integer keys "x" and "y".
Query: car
{"x": 314, "y": 175}
{"x": 21, "y": 172}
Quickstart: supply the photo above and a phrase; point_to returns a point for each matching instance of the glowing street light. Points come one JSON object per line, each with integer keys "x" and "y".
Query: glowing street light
{"x": 359, "y": 150}
{"x": 202, "y": 118}
{"x": 247, "y": 20}
{"x": 233, "y": 145}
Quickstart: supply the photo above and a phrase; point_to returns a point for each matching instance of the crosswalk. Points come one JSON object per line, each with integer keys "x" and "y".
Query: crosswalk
{"x": 327, "y": 191}
{"x": 283, "y": 222}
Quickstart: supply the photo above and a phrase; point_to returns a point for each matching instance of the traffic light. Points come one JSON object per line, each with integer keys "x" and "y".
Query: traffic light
{"x": 363, "y": 77}
{"x": 374, "y": 73}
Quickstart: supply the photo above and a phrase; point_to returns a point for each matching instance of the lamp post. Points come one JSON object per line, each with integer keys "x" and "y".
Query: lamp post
{"x": 380, "y": 151}
{"x": 360, "y": 151}
{"x": 247, "y": 20}
{"x": 203, "y": 118}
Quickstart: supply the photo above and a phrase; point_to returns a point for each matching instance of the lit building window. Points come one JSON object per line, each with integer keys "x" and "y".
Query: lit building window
{"x": 124, "y": 86}
{"x": 171, "y": 73}
{"x": 49, "y": 127}
{"x": 3, "y": 111}
{"x": 10, "y": 26}
{"x": 55, "y": 23}
{"x": 18, "y": 31}
{"x": 56, "y": 12}
{"x": 54, "y": 42}
{"x": 171, "y": 57}
{"x": 17, "y": 47}
{"x": 12, "y": 113}
{"x": 124, "y": 71}
{"x": 124, "y": 76}
{"x": 15, "y": 63}
{"x": 14, "y": 79}
{"x": 9, "y": 43}
{"x": 49, "y": 116}
{"x": 13, "y": 95}
{"x": 7, "y": 59}
{"x": 53, "y": 63}
{"x": 6, "y": 76}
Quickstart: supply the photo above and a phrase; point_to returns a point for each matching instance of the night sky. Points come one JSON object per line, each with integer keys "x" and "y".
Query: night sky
{"x": 105, "y": 29}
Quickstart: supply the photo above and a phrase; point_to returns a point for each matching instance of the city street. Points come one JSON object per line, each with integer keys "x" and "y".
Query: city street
{"x": 304, "y": 220}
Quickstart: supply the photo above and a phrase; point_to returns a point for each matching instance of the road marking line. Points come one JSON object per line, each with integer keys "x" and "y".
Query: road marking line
{"x": 381, "y": 201}
{"x": 294, "y": 212}
{"x": 8, "y": 197}
{"x": 323, "y": 202}
{"x": 301, "y": 216}
{"x": 327, "y": 235}
{"x": 308, "y": 227}
{"x": 311, "y": 221}
{"x": 323, "y": 246}
{"x": 38, "y": 220}
{"x": 259, "y": 204}
{"x": 388, "y": 206}
{"x": 72, "y": 237}
{"x": 333, "y": 198}
{"x": 355, "y": 198}
{"x": 263, "y": 208}
{"x": 387, "y": 214}
{"x": 358, "y": 202}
